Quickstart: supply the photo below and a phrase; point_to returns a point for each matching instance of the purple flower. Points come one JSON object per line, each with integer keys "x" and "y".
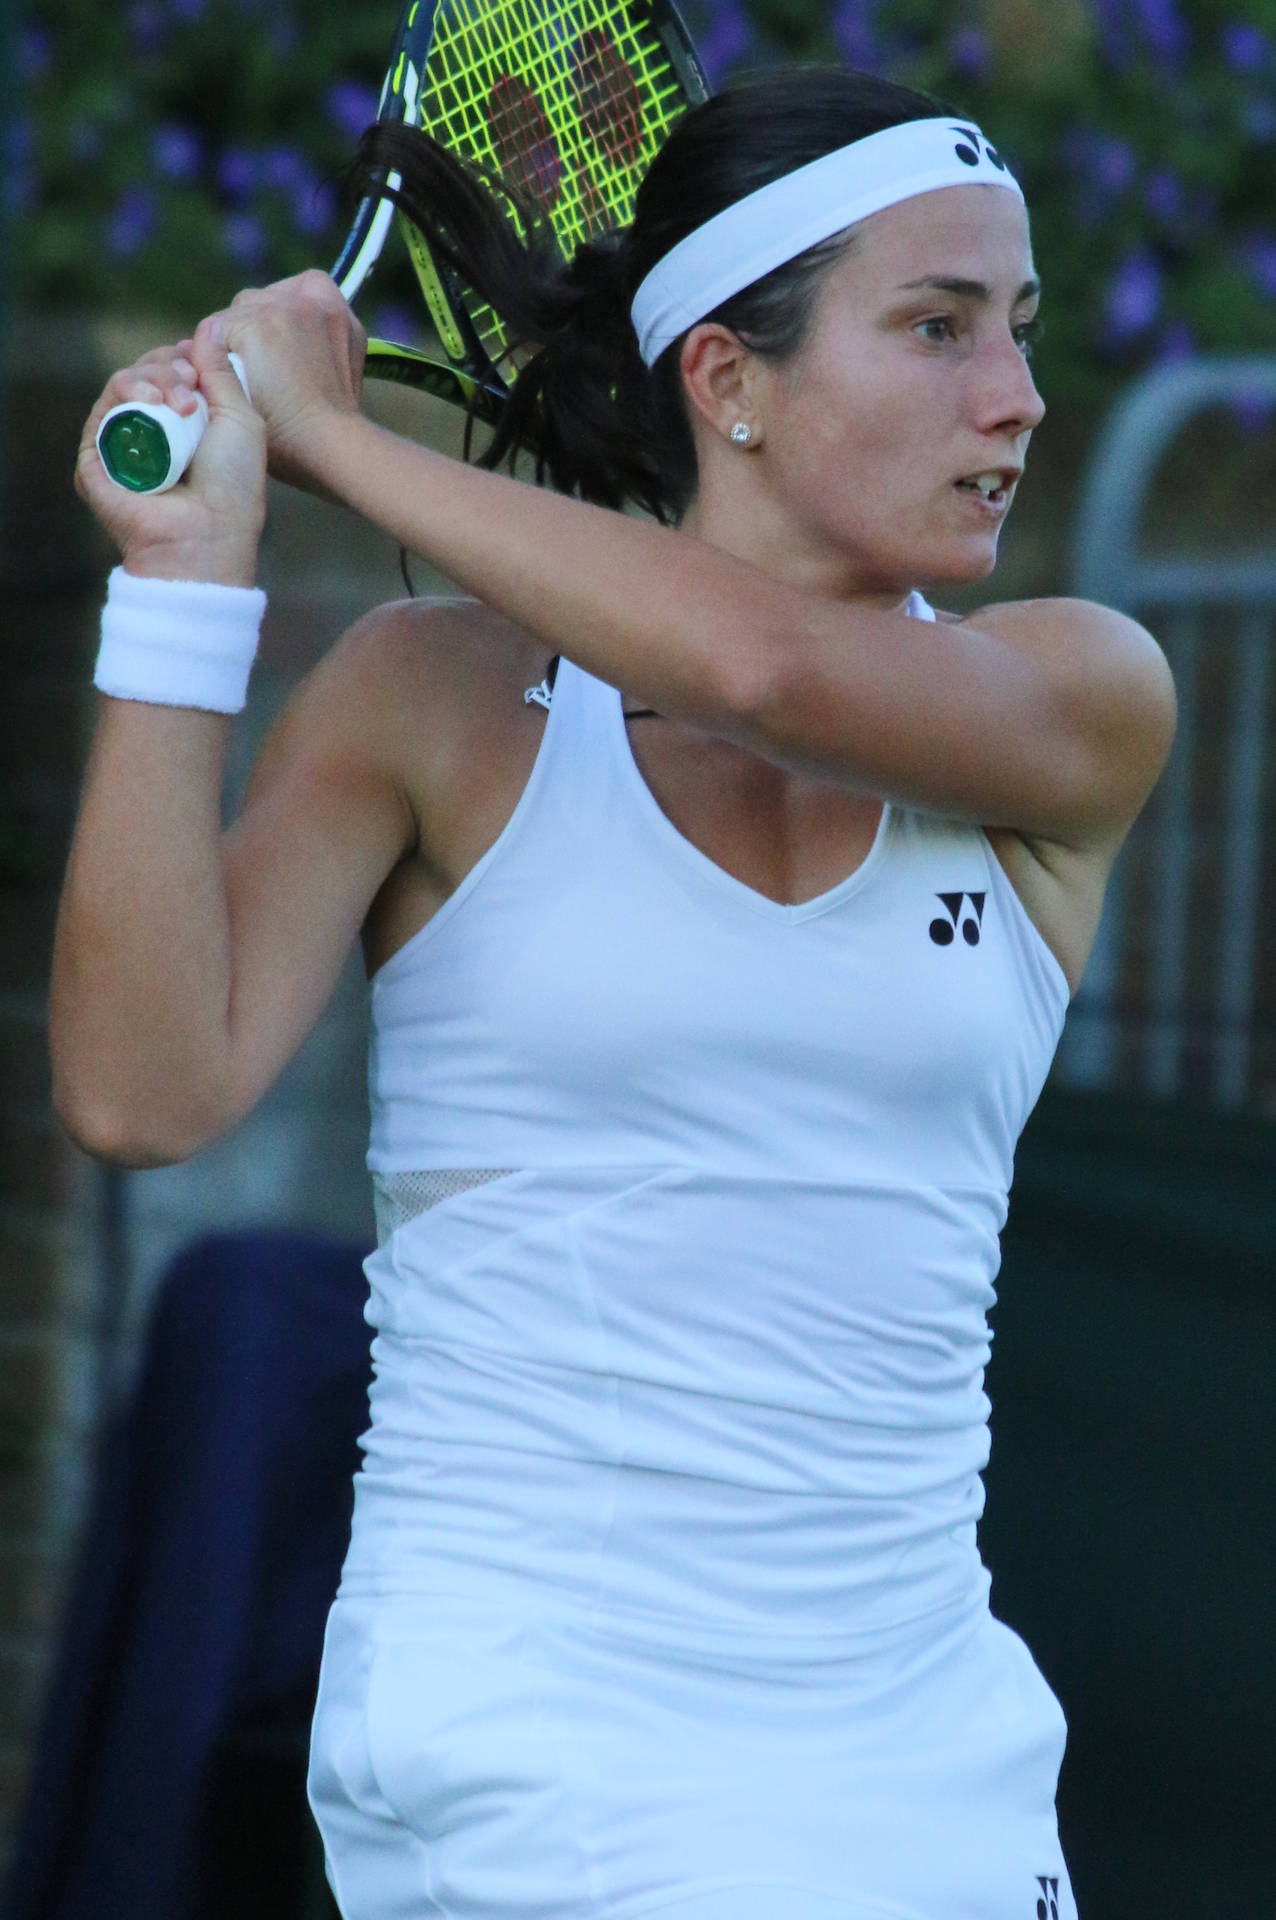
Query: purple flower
{"x": 146, "y": 25}
{"x": 1100, "y": 158}
{"x": 855, "y": 32}
{"x": 238, "y": 172}
{"x": 17, "y": 149}
{"x": 970, "y": 52}
{"x": 35, "y": 50}
{"x": 1126, "y": 26}
{"x": 245, "y": 239}
{"x": 1163, "y": 193}
{"x": 1260, "y": 119}
{"x": 1252, "y": 412}
{"x": 176, "y": 151}
{"x": 1244, "y": 47}
{"x": 1114, "y": 164}
{"x": 286, "y": 168}
{"x": 398, "y": 323}
{"x": 17, "y": 191}
{"x": 727, "y": 39}
{"x": 314, "y": 202}
{"x": 314, "y": 207}
{"x": 1163, "y": 28}
{"x": 1133, "y": 298}
{"x": 1104, "y": 168}
{"x": 350, "y": 106}
{"x": 1114, "y": 29}
{"x": 1176, "y": 341}
{"x": 17, "y": 141}
{"x": 1259, "y": 255}
{"x": 132, "y": 223}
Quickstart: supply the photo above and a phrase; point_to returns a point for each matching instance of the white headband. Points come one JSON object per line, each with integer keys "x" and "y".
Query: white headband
{"x": 760, "y": 232}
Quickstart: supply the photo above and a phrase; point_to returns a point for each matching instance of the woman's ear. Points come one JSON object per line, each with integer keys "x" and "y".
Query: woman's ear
{"x": 719, "y": 375}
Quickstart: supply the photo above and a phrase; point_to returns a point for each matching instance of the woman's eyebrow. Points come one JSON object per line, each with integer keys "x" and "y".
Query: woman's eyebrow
{"x": 971, "y": 289}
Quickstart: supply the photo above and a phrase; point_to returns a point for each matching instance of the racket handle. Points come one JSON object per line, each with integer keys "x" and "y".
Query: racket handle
{"x": 147, "y": 447}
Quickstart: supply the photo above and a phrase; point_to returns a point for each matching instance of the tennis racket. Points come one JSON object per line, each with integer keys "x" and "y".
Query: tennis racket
{"x": 568, "y": 100}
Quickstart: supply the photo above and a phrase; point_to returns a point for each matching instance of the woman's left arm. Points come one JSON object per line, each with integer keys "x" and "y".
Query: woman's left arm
{"x": 1051, "y": 717}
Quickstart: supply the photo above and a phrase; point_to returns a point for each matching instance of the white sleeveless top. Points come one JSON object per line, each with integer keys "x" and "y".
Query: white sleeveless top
{"x": 703, "y": 1342}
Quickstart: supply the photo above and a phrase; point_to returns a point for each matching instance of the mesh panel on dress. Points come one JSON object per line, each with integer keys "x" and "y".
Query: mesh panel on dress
{"x": 397, "y": 1197}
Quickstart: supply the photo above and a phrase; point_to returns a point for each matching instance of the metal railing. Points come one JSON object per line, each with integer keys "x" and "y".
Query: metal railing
{"x": 1172, "y": 992}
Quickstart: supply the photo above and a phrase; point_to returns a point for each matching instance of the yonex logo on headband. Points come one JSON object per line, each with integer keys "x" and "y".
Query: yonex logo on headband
{"x": 971, "y": 145}
{"x": 776, "y": 223}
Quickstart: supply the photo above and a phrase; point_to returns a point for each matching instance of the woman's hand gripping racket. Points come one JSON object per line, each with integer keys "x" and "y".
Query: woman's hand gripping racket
{"x": 569, "y": 100}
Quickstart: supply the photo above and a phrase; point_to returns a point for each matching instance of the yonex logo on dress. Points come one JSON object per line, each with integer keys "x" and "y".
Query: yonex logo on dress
{"x": 944, "y": 932}
{"x": 1048, "y": 1903}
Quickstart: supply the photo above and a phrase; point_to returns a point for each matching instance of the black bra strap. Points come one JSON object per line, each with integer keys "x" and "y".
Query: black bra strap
{"x": 551, "y": 674}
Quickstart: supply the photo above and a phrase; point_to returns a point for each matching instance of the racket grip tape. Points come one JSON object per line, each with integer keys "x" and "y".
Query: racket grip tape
{"x": 147, "y": 447}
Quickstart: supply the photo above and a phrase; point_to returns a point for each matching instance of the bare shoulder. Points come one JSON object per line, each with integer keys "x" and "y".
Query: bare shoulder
{"x": 417, "y": 681}
{"x": 1071, "y": 630}
{"x": 402, "y": 717}
{"x": 415, "y": 717}
{"x": 1111, "y": 678}
{"x": 1102, "y": 653}
{"x": 410, "y": 647}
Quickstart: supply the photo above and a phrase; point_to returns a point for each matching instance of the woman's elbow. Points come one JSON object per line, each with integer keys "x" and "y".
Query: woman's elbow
{"x": 120, "y": 1133}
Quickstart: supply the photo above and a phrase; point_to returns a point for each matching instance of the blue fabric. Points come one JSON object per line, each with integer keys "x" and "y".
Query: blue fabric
{"x": 210, "y": 1557}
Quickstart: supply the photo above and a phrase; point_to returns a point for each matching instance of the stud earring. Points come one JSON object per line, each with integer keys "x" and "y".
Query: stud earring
{"x": 741, "y": 433}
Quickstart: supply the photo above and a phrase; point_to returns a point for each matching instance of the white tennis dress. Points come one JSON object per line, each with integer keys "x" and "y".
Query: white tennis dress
{"x": 663, "y": 1593}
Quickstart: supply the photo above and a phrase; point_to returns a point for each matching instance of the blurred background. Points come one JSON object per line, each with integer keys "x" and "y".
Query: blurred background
{"x": 156, "y": 156}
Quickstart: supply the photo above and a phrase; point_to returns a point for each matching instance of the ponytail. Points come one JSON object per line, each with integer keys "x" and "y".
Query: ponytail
{"x": 579, "y": 402}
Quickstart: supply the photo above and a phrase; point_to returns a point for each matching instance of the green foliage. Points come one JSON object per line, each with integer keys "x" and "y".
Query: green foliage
{"x": 179, "y": 149}
{"x": 173, "y": 150}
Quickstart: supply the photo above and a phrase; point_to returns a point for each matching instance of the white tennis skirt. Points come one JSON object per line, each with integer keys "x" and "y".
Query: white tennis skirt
{"x": 471, "y": 1762}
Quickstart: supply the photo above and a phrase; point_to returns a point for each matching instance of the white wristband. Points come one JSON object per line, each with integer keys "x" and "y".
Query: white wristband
{"x": 178, "y": 643}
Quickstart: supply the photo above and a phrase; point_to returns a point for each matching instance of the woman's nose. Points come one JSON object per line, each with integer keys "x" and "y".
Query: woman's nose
{"x": 1034, "y": 406}
{"x": 1008, "y": 395}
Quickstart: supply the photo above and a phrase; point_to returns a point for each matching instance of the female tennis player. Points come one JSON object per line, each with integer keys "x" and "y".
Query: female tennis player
{"x": 714, "y": 975}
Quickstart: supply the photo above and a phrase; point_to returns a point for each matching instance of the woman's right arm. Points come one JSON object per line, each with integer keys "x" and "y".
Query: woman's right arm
{"x": 190, "y": 963}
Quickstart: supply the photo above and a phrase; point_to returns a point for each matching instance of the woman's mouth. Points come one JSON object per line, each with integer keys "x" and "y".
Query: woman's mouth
{"x": 989, "y": 492}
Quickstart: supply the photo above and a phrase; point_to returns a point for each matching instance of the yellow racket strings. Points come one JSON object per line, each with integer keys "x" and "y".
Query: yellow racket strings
{"x": 570, "y": 106}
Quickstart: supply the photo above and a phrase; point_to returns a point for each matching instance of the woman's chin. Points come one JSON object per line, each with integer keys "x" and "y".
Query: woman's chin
{"x": 965, "y": 565}
{"x": 941, "y": 563}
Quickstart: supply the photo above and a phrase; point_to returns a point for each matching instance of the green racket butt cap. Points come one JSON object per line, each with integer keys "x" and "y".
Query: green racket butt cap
{"x": 135, "y": 450}
{"x": 147, "y": 447}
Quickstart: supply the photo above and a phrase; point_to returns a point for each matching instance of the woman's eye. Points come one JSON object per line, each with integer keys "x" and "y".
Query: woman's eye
{"x": 1028, "y": 335}
{"x": 942, "y": 326}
